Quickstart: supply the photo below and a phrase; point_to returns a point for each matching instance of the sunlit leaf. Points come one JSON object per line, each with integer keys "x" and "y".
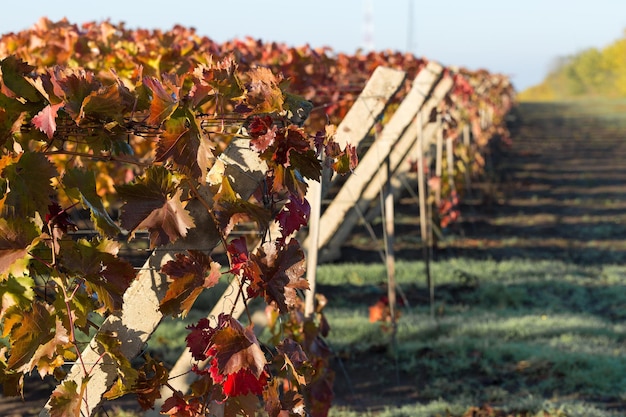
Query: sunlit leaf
{"x": 65, "y": 401}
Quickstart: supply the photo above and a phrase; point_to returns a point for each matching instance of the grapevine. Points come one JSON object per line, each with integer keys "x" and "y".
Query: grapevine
{"x": 120, "y": 131}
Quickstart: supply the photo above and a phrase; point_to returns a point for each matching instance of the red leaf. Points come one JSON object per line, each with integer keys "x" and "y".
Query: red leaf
{"x": 244, "y": 382}
{"x": 236, "y": 348}
{"x": 293, "y": 216}
{"x": 199, "y": 339}
{"x": 163, "y": 102}
{"x": 178, "y": 406}
{"x": 238, "y": 250}
{"x": 45, "y": 120}
{"x": 191, "y": 274}
{"x": 263, "y": 133}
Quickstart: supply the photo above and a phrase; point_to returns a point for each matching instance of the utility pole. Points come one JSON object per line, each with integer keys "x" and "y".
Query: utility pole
{"x": 368, "y": 26}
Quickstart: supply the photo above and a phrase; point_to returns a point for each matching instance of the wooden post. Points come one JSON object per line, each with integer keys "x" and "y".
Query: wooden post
{"x": 439, "y": 159}
{"x": 363, "y": 188}
{"x": 422, "y": 192}
{"x": 396, "y": 138}
{"x": 355, "y": 126}
{"x": 450, "y": 161}
{"x": 315, "y": 194}
{"x": 389, "y": 255}
{"x": 468, "y": 162}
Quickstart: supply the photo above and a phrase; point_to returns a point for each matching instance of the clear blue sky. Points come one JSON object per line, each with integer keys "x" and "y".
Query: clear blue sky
{"x": 518, "y": 38}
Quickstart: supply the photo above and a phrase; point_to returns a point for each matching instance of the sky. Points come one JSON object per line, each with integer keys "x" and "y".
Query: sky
{"x": 521, "y": 39}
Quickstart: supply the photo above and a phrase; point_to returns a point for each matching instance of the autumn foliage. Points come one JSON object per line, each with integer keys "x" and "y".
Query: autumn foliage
{"x": 115, "y": 131}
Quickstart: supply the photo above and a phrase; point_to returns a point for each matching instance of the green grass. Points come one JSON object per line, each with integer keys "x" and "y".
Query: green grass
{"x": 504, "y": 332}
{"x": 525, "y": 336}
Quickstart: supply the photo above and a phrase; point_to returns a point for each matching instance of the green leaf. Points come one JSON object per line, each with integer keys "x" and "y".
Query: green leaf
{"x": 29, "y": 331}
{"x": 16, "y": 291}
{"x": 65, "y": 401}
{"x": 13, "y": 72}
{"x": 28, "y": 193}
{"x": 10, "y": 124}
{"x": 81, "y": 185}
{"x": 105, "y": 274}
{"x": 113, "y": 347}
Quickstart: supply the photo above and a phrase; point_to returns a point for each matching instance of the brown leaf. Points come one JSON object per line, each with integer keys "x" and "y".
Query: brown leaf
{"x": 190, "y": 275}
{"x": 281, "y": 269}
{"x": 238, "y": 348}
{"x": 168, "y": 223}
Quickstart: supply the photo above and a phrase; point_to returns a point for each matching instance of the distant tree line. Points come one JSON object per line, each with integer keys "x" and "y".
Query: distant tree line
{"x": 589, "y": 73}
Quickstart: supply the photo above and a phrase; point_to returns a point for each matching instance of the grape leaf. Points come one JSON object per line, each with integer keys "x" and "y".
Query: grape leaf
{"x": 10, "y": 124}
{"x": 293, "y": 216}
{"x": 74, "y": 85}
{"x": 105, "y": 274}
{"x": 243, "y": 382}
{"x": 184, "y": 142}
{"x": 237, "y": 348}
{"x": 163, "y": 103}
{"x": 238, "y": 251}
{"x": 14, "y": 83}
{"x": 30, "y": 330}
{"x": 108, "y": 103}
{"x": 288, "y": 180}
{"x": 28, "y": 193}
{"x": 65, "y": 400}
{"x": 16, "y": 238}
{"x": 153, "y": 203}
{"x": 262, "y": 131}
{"x": 190, "y": 275}
{"x": 199, "y": 338}
{"x": 81, "y": 185}
{"x": 264, "y": 93}
{"x": 113, "y": 348}
{"x": 218, "y": 80}
{"x": 58, "y": 218}
{"x": 152, "y": 376}
{"x": 242, "y": 405}
{"x": 281, "y": 268}
{"x": 16, "y": 291}
{"x": 179, "y": 406}
{"x": 45, "y": 120}
{"x": 230, "y": 209}
{"x": 49, "y": 356}
{"x": 167, "y": 223}
{"x": 307, "y": 164}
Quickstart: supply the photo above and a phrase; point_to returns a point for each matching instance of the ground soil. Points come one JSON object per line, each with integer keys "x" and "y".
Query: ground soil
{"x": 559, "y": 192}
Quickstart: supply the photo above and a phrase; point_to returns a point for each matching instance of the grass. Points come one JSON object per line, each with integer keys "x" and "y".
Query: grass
{"x": 526, "y": 337}
{"x": 504, "y": 332}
